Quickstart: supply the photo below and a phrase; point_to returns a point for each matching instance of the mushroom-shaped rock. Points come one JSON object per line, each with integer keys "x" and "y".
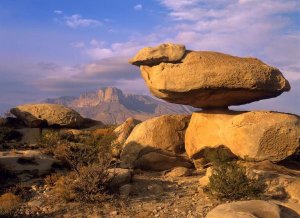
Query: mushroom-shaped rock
{"x": 34, "y": 115}
{"x": 207, "y": 79}
{"x": 256, "y": 135}
{"x": 154, "y": 55}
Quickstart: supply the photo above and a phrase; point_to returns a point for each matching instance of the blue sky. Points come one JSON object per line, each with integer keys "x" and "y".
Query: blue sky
{"x": 51, "y": 48}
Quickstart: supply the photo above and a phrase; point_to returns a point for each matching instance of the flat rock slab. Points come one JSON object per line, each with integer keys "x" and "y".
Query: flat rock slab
{"x": 206, "y": 79}
{"x": 35, "y": 115}
{"x": 27, "y": 162}
{"x": 251, "y": 209}
{"x": 254, "y": 136}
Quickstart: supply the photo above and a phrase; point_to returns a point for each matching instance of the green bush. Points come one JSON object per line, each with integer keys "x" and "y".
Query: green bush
{"x": 230, "y": 182}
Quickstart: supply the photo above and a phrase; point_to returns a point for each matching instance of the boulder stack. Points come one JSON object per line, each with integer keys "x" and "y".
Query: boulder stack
{"x": 214, "y": 81}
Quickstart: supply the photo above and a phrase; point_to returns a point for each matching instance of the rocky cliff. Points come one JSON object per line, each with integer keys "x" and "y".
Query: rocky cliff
{"x": 112, "y": 106}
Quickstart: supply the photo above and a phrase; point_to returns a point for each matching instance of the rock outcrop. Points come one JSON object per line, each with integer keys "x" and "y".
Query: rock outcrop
{"x": 206, "y": 79}
{"x": 163, "y": 135}
{"x": 36, "y": 115}
{"x": 257, "y": 135}
{"x": 163, "y": 53}
{"x": 251, "y": 209}
{"x": 123, "y": 131}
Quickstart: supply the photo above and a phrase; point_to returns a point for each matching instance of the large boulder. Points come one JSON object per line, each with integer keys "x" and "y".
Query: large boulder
{"x": 154, "y": 55}
{"x": 163, "y": 135}
{"x": 123, "y": 131}
{"x": 256, "y": 135}
{"x": 251, "y": 209}
{"x": 35, "y": 115}
{"x": 206, "y": 79}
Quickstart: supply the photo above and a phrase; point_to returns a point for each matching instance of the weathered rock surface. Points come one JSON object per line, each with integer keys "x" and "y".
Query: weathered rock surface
{"x": 27, "y": 164}
{"x": 124, "y": 130}
{"x": 30, "y": 135}
{"x": 251, "y": 209}
{"x": 256, "y": 135}
{"x": 208, "y": 79}
{"x": 119, "y": 177}
{"x": 163, "y": 135}
{"x": 159, "y": 161}
{"x": 155, "y": 55}
{"x": 34, "y": 115}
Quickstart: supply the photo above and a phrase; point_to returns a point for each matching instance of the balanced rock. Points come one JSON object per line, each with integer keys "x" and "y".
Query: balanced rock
{"x": 163, "y": 135}
{"x": 34, "y": 115}
{"x": 163, "y": 53}
{"x": 256, "y": 135}
{"x": 207, "y": 79}
{"x": 251, "y": 209}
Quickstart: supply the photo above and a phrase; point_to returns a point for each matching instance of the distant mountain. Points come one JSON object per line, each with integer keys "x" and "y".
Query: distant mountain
{"x": 112, "y": 106}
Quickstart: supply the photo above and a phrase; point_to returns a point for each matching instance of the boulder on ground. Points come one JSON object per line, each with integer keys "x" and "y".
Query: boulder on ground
{"x": 251, "y": 209}
{"x": 206, "y": 79}
{"x": 163, "y": 135}
{"x": 256, "y": 135}
{"x": 123, "y": 131}
{"x": 36, "y": 115}
{"x": 155, "y": 55}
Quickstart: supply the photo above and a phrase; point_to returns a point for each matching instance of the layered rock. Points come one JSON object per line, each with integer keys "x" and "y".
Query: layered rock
{"x": 36, "y": 115}
{"x": 257, "y": 135}
{"x": 207, "y": 79}
{"x": 157, "y": 140}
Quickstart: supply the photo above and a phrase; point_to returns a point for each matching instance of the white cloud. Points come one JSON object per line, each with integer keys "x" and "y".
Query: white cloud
{"x": 77, "y": 20}
{"x": 138, "y": 7}
{"x": 78, "y": 44}
{"x": 58, "y": 12}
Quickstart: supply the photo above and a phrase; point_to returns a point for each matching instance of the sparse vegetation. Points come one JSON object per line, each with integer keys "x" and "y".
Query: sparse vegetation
{"x": 88, "y": 155}
{"x": 229, "y": 180}
{"x": 9, "y": 203}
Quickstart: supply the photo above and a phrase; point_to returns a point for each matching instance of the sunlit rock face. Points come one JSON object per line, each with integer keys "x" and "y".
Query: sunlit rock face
{"x": 207, "y": 79}
{"x": 254, "y": 136}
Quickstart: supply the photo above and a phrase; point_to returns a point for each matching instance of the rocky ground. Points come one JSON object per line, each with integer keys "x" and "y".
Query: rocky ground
{"x": 152, "y": 194}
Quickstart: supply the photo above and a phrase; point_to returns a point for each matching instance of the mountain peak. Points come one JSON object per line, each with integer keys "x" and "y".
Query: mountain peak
{"x": 110, "y": 94}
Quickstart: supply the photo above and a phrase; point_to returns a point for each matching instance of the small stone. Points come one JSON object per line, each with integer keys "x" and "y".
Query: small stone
{"x": 114, "y": 213}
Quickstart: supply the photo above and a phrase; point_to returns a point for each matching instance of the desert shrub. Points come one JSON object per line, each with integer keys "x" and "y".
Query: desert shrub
{"x": 230, "y": 182}
{"x": 9, "y": 203}
{"x": 89, "y": 184}
{"x": 51, "y": 179}
{"x": 218, "y": 155}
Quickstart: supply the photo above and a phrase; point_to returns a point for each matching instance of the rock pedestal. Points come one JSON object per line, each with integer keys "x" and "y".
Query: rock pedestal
{"x": 213, "y": 81}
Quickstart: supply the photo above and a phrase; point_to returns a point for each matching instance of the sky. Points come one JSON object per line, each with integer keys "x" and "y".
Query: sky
{"x": 51, "y": 48}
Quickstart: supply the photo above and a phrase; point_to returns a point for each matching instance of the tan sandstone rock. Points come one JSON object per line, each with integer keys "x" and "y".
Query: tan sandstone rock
{"x": 208, "y": 79}
{"x": 163, "y": 135}
{"x": 256, "y": 135}
{"x": 251, "y": 209}
{"x": 124, "y": 130}
{"x": 154, "y": 55}
{"x": 34, "y": 115}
